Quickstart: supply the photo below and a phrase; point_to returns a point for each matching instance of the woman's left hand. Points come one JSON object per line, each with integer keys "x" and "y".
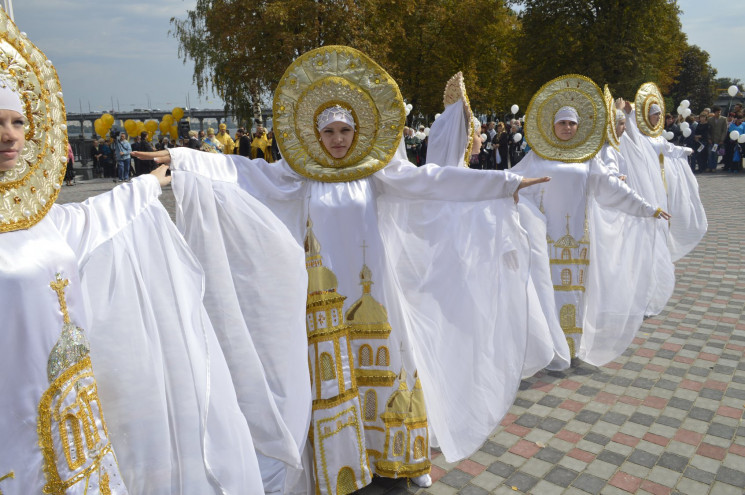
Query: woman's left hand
{"x": 160, "y": 174}
{"x": 527, "y": 182}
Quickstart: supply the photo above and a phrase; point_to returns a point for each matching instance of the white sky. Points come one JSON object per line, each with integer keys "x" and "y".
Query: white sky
{"x": 121, "y": 51}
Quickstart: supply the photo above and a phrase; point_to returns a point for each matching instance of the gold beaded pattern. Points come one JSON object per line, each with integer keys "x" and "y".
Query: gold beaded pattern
{"x": 580, "y": 93}
{"x": 455, "y": 90}
{"x": 337, "y": 75}
{"x": 29, "y": 189}
{"x": 648, "y": 94}
{"x": 611, "y": 109}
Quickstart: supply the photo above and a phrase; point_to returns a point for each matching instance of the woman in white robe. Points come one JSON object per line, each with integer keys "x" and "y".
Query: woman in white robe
{"x": 113, "y": 381}
{"x": 429, "y": 313}
{"x": 659, "y": 170}
{"x": 588, "y": 230}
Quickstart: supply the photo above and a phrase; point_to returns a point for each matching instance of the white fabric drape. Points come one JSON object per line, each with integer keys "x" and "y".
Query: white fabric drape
{"x": 448, "y": 138}
{"x": 678, "y": 195}
{"x": 170, "y": 407}
{"x": 622, "y": 234}
{"x": 433, "y": 264}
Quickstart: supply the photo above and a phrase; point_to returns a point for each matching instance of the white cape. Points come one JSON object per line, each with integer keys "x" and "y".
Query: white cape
{"x": 678, "y": 195}
{"x": 444, "y": 288}
{"x": 622, "y": 233}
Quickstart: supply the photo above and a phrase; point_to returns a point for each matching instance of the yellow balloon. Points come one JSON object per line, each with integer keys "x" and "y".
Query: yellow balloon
{"x": 174, "y": 132}
{"x": 151, "y": 125}
{"x": 165, "y": 127}
{"x": 178, "y": 113}
{"x": 130, "y": 126}
{"x": 141, "y": 127}
{"x": 108, "y": 119}
{"x": 168, "y": 118}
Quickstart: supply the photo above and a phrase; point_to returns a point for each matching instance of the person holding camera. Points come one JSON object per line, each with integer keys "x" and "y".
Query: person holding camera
{"x": 122, "y": 152}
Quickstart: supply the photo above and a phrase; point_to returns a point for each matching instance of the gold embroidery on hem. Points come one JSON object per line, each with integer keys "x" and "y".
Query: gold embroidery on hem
{"x": 569, "y": 288}
{"x": 398, "y": 469}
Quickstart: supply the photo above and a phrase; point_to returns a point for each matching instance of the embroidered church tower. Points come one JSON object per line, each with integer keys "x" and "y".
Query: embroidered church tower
{"x": 369, "y": 330}
{"x": 569, "y": 262}
{"x": 337, "y": 435}
{"x": 406, "y": 450}
{"x": 72, "y": 432}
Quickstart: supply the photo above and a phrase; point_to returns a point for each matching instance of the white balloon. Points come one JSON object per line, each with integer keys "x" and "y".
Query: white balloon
{"x": 734, "y": 135}
{"x": 685, "y": 103}
{"x": 408, "y": 110}
{"x": 437, "y": 115}
{"x": 668, "y": 135}
{"x": 741, "y": 139}
{"x": 732, "y": 90}
{"x": 426, "y": 131}
{"x": 679, "y": 110}
{"x": 483, "y": 137}
{"x": 515, "y": 109}
{"x": 517, "y": 137}
{"x": 686, "y": 112}
{"x": 686, "y": 132}
{"x": 684, "y": 126}
{"x": 409, "y": 106}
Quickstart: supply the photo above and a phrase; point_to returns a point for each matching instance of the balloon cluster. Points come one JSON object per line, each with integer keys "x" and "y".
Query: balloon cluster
{"x": 408, "y": 108}
{"x": 168, "y": 125}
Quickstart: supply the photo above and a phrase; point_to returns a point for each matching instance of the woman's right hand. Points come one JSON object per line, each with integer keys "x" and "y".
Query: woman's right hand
{"x": 162, "y": 157}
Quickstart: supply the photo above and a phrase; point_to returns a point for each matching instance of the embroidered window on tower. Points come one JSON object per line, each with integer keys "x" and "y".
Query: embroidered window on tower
{"x": 398, "y": 444}
{"x": 327, "y": 367}
{"x": 371, "y": 405}
{"x": 418, "y": 447}
{"x": 382, "y": 358}
{"x": 365, "y": 355}
{"x": 566, "y": 276}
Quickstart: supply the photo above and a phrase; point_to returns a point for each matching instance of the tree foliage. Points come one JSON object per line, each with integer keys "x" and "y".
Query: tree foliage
{"x": 241, "y": 48}
{"x": 695, "y": 81}
{"x": 622, "y": 43}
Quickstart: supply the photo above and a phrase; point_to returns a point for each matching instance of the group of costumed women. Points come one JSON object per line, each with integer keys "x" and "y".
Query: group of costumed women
{"x": 141, "y": 356}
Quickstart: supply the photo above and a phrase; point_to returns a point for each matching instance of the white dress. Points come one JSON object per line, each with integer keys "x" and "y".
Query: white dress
{"x": 593, "y": 235}
{"x": 155, "y": 412}
{"x": 675, "y": 192}
{"x": 426, "y": 284}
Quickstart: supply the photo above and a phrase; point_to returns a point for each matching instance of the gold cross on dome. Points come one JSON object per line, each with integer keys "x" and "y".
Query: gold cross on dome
{"x": 11, "y": 475}
{"x": 59, "y": 287}
{"x": 364, "y": 251}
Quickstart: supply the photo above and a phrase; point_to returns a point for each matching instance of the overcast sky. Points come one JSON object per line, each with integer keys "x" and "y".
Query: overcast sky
{"x": 120, "y": 51}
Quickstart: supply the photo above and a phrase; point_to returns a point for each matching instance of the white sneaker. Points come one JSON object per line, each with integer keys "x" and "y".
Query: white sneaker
{"x": 425, "y": 481}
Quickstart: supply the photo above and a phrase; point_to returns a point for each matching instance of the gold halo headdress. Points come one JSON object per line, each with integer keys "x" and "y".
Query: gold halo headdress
{"x": 337, "y": 75}
{"x": 610, "y": 108}
{"x": 455, "y": 90}
{"x": 28, "y": 190}
{"x": 647, "y": 95}
{"x": 580, "y": 93}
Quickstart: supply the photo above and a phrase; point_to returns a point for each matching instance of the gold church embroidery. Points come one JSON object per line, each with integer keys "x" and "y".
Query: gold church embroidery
{"x": 336, "y": 403}
{"x": 70, "y": 414}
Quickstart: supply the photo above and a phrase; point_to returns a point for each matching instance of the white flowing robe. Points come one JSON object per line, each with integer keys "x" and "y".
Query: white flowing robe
{"x": 453, "y": 281}
{"x": 678, "y": 194}
{"x": 162, "y": 383}
{"x": 588, "y": 231}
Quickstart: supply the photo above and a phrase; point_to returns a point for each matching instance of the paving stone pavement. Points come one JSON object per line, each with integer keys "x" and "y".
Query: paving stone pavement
{"x": 664, "y": 418}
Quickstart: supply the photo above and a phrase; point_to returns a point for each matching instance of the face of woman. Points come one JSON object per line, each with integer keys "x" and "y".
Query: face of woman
{"x": 337, "y": 138}
{"x": 654, "y": 119}
{"x": 620, "y": 128}
{"x": 12, "y": 138}
{"x": 565, "y": 129}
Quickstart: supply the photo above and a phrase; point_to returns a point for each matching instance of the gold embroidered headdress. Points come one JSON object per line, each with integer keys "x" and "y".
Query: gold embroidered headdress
{"x": 321, "y": 79}
{"x": 29, "y": 189}
{"x": 648, "y": 95}
{"x": 585, "y": 97}
{"x": 455, "y": 90}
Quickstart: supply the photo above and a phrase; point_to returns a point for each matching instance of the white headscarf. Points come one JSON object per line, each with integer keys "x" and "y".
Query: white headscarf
{"x": 337, "y": 113}
{"x": 654, "y": 108}
{"x": 620, "y": 115}
{"x": 567, "y": 113}
{"x": 9, "y": 98}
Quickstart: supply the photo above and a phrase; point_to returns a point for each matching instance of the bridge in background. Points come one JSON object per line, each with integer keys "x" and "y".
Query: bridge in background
{"x": 195, "y": 116}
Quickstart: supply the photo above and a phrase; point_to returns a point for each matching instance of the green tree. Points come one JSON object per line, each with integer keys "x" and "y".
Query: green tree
{"x": 622, "y": 43}
{"x": 695, "y": 81}
{"x": 241, "y": 48}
